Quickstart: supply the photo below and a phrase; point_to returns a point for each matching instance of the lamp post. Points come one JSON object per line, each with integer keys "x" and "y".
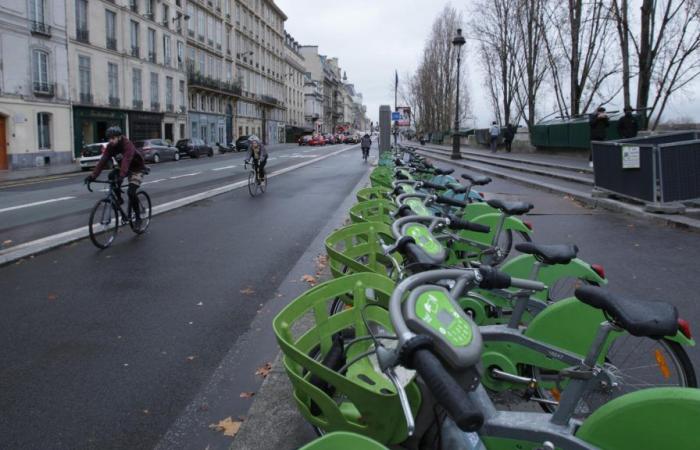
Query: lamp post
{"x": 458, "y": 42}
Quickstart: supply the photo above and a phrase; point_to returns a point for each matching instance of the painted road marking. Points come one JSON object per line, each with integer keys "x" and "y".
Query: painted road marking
{"x": 185, "y": 175}
{"x": 28, "y": 205}
{"x": 224, "y": 168}
{"x": 154, "y": 181}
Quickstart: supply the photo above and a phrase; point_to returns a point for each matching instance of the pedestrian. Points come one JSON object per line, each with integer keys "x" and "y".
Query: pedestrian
{"x": 627, "y": 125}
{"x": 599, "y": 128}
{"x": 494, "y": 133}
{"x": 508, "y": 136}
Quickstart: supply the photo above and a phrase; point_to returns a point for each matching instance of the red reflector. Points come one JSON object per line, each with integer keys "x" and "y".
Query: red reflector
{"x": 528, "y": 224}
{"x": 684, "y": 326}
{"x": 597, "y": 268}
{"x": 481, "y": 194}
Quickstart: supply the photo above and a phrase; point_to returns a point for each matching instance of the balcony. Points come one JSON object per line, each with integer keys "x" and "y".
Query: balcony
{"x": 190, "y": 33}
{"x": 148, "y": 15}
{"x": 137, "y": 104}
{"x": 112, "y": 43}
{"x": 170, "y": 107}
{"x": 135, "y": 51}
{"x": 152, "y": 57}
{"x": 113, "y": 101}
{"x": 43, "y": 89}
{"x": 155, "y": 106}
{"x": 86, "y": 98}
{"x": 269, "y": 100}
{"x": 40, "y": 28}
{"x": 83, "y": 35}
{"x": 195, "y": 79}
{"x": 134, "y": 6}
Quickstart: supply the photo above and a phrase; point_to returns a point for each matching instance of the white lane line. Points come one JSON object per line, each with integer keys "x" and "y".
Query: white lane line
{"x": 28, "y": 205}
{"x": 154, "y": 181}
{"x": 224, "y": 168}
{"x": 185, "y": 175}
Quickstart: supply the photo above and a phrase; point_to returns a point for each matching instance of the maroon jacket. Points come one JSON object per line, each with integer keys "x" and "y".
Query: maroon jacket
{"x": 132, "y": 160}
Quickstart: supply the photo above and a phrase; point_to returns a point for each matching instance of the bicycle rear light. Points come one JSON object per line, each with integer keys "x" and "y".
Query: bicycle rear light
{"x": 597, "y": 268}
{"x": 528, "y": 224}
{"x": 684, "y": 326}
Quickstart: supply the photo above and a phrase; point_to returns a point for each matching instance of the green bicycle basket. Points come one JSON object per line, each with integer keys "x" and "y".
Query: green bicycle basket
{"x": 371, "y": 193}
{"x": 381, "y": 177}
{"x": 357, "y": 248}
{"x": 341, "y": 440}
{"x": 373, "y": 211}
{"x": 361, "y": 400}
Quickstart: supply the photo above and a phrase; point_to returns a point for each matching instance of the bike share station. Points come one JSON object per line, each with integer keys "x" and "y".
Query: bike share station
{"x": 661, "y": 171}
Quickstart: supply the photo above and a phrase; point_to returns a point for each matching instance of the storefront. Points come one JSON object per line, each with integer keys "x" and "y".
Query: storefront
{"x": 90, "y": 125}
{"x": 144, "y": 125}
{"x": 209, "y": 127}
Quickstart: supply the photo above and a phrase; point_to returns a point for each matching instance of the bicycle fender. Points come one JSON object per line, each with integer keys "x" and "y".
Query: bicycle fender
{"x": 682, "y": 339}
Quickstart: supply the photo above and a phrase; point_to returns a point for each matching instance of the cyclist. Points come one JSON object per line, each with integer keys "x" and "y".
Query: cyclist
{"x": 365, "y": 143}
{"x": 132, "y": 164}
{"x": 257, "y": 152}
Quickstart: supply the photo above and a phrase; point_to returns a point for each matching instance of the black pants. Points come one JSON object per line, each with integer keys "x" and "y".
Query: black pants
{"x": 508, "y": 144}
{"x": 365, "y": 151}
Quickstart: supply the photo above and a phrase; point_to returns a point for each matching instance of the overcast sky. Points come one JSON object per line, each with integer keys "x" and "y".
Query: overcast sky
{"x": 372, "y": 38}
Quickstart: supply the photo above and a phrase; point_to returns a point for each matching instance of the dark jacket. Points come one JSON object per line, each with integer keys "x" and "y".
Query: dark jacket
{"x": 599, "y": 126}
{"x": 366, "y": 142}
{"x": 627, "y": 126}
{"x": 509, "y": 133}
{"x": 262, "y": 154}
{"x": 132, "y": 160}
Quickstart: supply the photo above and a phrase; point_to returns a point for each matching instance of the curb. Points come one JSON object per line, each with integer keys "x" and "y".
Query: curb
{"x": 41, "y": 245}
{"x": 588, "y": 200}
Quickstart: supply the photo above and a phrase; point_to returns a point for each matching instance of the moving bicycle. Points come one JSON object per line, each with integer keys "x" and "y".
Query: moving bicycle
{"x": 257, "y": 157}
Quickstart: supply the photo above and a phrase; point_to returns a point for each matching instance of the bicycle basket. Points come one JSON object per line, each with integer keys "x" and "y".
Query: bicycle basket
{"x": 370, "y": 193}
{"x": 341, "y": 440}
{"x": 361, "y": 400}
{"x": 373, "y": 211}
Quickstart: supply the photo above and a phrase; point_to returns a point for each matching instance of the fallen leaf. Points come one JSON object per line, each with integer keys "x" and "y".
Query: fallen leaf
{"x": 190, "y": 358}
{"x": 228, "y": 426}
{"x": 309, "y": 279}
{"x": 145, "y": 411}
{"x": 247, "y": 291}
{"x": 247, "y": 394}
{"x": 7, "y": 242}
{"x": 200, "y": 304}
{"x": 53, "y": 297}
{"x": 264, "y": 370}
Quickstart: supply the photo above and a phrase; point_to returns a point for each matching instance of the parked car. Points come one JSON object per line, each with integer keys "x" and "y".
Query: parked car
{"x": 340, "y": 138}
{"x": 90, "y": 154}
{"x": 157, "y": 150}
{"x": 317, "y": 140}
{"x": 223, "y": 148}
{"x": 350, "y": 139}
{"x": 329, "y": 138}
{"x": 305, "y": 140}
{"x": 194, "y": 148}
{"x": 243, "y": 142}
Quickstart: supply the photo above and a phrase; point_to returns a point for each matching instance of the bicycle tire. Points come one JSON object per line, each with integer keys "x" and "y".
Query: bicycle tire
{"x": 682, "y": 368}
{"x": 252, "y": 189}
{"x": 143, "y": 199}
{"x": 108, "y": 229}
{"x": 263, "y": 185}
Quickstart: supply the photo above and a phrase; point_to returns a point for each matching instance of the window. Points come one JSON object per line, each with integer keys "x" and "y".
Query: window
{"x": 180, "y": 54}
{"x": 190, "y": 23}
{"x": 169, "y": 92}
{"x": 134, "y": 5}
{"x": 113, "y": 82}
{"x": 210, "y": 30}
{"x": 166, "y": 16}
{"x": 136, "y": 89}
{"x": 84, "y": 78}
{"x": 201, "y": 24}
{"x": 111, "y": 29}
{"x": 166, "y": 49}
{"x": 154, "y": 91}
{"x": 81, "y": 27}
{"x": 150, "y": 10}
{"x": 151, "y": 45}
{"x": 202, "y": 103}
{"x": 36, "y": 11}
{"x": 202, "y": 68}
{"x": 134, "y": 38}
{"x": 182, "y": 94}
{"x": 41, "y": 71}
{"x": 43, "y": 122}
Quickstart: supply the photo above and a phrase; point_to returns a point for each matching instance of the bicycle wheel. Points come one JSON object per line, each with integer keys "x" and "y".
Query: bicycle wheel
{"x": 144, "y": 205}
{"x": 252, "y": 188}
{"x": 263, "y": 185}
{"x": 636, "y": 363}
{"x": 104, "y": 223}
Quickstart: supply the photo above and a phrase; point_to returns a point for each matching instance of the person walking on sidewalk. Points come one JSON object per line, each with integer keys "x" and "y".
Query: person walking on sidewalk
{"x": 494, "y": 133}
{"x": 599, "y": 128}
{"x": 627, "y": 125}
{"x": 508, "y": 136}
{"x": 365, "y": 143}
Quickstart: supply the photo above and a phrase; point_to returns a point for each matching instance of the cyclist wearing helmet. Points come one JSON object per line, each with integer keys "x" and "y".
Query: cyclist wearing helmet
{"x": 132, "y": 164}
{"x": 257, "y": 152}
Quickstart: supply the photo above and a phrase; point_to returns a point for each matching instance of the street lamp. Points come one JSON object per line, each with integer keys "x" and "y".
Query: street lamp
{"x": 458, "y": 42}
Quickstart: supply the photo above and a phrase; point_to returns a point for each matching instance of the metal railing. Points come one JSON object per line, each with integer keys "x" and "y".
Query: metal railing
{"x": 152, "y": 57}
{"x": 137, "y": 104}
{"x": 195, "y": 78}
{"x": 112, "y": 43}
{"x": 82, "y": 34}
{"x": 41, "y": 28}
{"x": 86, "y": 98}
{"x": 155, "y": 106}
{"x": 113, "y": 101}
{"x": 135, "y": 51}
{"x": 170, "y": 107}
{"x": 43, "y": 89}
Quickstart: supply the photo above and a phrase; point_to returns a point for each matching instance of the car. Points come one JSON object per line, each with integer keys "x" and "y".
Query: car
{"x": 330, "y": 139}
{"x": 157, "y": 150}
{"x": 340, "y": 138}
{"x": 243, "y": 142}
{"x": 194, "y": 148}
{"x": 317, "y": 140}
{"x": 351, "y": 139}
{"x": 90, "y": 154}
{"x": 305, "y": 140}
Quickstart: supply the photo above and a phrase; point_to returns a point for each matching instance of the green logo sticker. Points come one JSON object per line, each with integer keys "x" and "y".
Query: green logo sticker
{"x": 424, "y": 238}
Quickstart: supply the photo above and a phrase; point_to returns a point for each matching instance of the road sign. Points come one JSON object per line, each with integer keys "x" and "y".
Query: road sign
{"x": 396, "y": 115}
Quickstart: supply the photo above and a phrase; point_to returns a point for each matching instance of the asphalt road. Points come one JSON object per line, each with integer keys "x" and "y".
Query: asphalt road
{"x": 35, "y": 209}
{"x": 104, "y": 349}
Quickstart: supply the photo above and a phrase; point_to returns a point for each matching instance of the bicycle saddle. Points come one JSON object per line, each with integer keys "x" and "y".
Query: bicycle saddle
{"x": 443, "y": 171}
{"x": 457, "y": 188}
{"x": 477, "y": 180}
{"x": 511, "y": 208}
{"x": 549, "y": 254}
{"x": 639, "y": 318}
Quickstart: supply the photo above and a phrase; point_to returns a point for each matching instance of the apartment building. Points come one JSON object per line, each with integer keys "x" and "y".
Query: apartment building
{"x": 294, "y": 81}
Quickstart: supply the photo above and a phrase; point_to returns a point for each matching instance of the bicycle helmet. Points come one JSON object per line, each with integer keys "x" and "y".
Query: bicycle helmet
{"x": 114, "y": 131}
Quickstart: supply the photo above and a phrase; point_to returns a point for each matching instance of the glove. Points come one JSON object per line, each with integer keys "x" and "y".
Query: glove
{"x": 89, "y": 179}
